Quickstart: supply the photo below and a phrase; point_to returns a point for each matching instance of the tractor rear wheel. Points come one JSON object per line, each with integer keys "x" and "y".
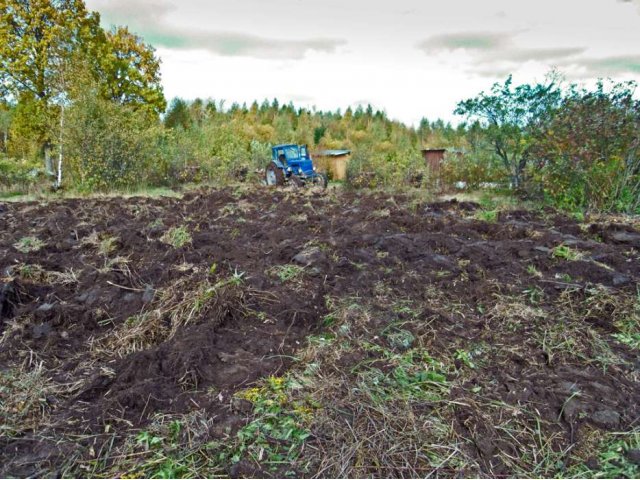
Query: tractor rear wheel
{"x": 273, "y": 175}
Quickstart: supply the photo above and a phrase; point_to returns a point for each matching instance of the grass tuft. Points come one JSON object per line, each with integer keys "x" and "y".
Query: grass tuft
{"x": 177, "y": 237}
{"x": 29, "y": 244}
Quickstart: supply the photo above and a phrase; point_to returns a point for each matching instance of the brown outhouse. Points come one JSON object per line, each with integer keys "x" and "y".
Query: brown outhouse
{"x": 333, "y": 162}
{"x": 433, "y": 158}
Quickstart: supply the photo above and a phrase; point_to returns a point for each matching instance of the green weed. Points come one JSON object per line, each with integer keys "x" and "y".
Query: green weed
{"x": 413, "y": 375}
{"x": 566, "y": 253}
{"x": 177, "y": 237}
{"x": 108, "y": 245}
{"x": 157, "y": 223}
{"x": 534, "y": 294}
{"x": 280, "y": 425}
{"x": 630, "y": 339}
{"x": 487, "y": 215}
{"x": 613, "y": 458}
{"x": 533, "y": 271}
{"x": 286, "y": 273}
{"x": 465, "y": 357}
{"x": 28, "y": 244}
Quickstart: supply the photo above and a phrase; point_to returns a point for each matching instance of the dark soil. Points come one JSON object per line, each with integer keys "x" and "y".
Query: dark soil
{"x": 347, "y": 244}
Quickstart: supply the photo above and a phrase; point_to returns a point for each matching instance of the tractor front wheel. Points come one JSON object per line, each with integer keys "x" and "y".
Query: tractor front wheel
{"x": 273, "y": 175}
{"x": 296, "y": 181}
{"x": 321, "y": 180}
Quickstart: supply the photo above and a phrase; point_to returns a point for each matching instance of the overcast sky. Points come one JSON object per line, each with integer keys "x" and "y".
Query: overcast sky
{"x": 412, "y": 58}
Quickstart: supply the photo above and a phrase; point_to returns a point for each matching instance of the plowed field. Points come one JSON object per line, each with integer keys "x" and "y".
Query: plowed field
{"x": 258, "y": 332}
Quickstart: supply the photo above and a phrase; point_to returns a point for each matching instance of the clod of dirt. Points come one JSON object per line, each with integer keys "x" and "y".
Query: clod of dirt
{"x": 39, "y": 331}
{"x": 619, "y": 280}
{"x": 567, "y": 388}
{"x": 609, "y": 419}
{"x": 45, "y": 307}
{"x": 571, "y": 410}
{"x": 8, "y": 299}
{"x": 593, "y": 464}
{"x": 628, "y": 238}
{"x": 310, "y": 256}
{"x": 241, "y": 405}
{"x": 634, "y": 455}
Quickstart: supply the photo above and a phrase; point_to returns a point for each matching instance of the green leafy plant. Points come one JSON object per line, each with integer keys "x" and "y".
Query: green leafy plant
{"x": 566, "y": 253}
{"x": 148, "y": 440}
{"x": 465, "y": 357}
{"x": 613, "y": 458}
{"x": 279, "y": 427}
{"x": 533, "y": 271}
{"x": 534, "y": 294}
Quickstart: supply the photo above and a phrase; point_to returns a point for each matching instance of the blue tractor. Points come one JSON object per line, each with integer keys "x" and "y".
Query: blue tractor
{"x": 293, "y": 164}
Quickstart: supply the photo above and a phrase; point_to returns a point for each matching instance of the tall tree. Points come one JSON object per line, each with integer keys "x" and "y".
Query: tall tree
{"x": 45, "y": 43}
{"x": 178, "y": 115}
{"x": 35, "y": 35}
{"x": 129, "y": 71}
{"x": 36, "y": 38}
{"x": 509, "y": 115}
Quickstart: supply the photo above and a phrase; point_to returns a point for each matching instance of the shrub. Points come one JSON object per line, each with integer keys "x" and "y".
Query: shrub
{"x": 110, "y": 146}
{"x": 588, "y": 151}
{"x": 19, "y": 174}
{"x": 473, "y": 169}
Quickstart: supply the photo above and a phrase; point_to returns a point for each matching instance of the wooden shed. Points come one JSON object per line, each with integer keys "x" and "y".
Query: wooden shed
{"x": 434, "y": 157}
{"x": 332, "y": 162}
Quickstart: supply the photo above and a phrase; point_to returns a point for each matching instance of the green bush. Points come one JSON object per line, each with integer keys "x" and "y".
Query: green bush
{"x": 19, "y": 174}
{"x": 473, "y": 169}
{"x": 111, "y": 146}
{"x": 588, "y": 151}
{"x": 386, "y": 166}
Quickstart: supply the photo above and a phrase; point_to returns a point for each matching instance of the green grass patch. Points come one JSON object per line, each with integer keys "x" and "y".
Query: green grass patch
{"x": 487, "y": 215}
{"x": 613, "y": 458}
{"x": 566, "y": 253}
{"x": 177, "y": 237}
{"x": 29, "y": 244}
{"x": 286, "y": 273}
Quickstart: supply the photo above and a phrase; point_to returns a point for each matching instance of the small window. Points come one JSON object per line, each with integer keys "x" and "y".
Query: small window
{"x": 291, "y": 153}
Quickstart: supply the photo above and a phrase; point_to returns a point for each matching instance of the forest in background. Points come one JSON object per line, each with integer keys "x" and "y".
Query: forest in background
{"x": 82, "y": 108}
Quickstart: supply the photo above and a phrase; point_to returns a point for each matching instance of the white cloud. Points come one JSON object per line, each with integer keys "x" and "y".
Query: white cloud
{"x": 336, "y": 53}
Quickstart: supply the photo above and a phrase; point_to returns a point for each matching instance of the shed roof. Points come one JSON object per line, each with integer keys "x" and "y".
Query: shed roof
{"x": 333, "y": 153}
{"x": 448, "y": 149}
{"x": 434, "y": 149}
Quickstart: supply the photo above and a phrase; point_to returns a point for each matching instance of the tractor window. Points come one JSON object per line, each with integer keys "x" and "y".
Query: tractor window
{"x": 291, "y": 153}
{"x": 303, "y": 152}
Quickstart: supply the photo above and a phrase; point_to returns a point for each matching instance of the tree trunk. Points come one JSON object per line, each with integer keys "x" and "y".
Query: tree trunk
{"x": 59, "y": 178}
